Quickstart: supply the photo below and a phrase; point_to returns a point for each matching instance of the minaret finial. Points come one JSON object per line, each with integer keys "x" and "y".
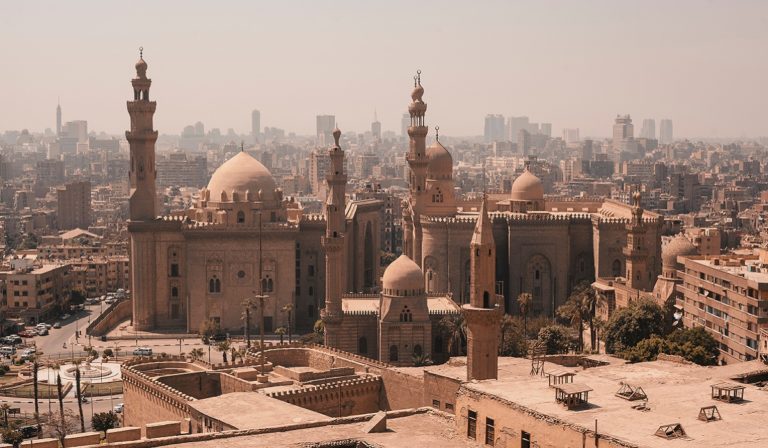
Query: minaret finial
{"x": 437, "y": 133}
{"x": 141, "y": 52}
{"x": 336, "y": 136}
{"x": 418, "y": 76}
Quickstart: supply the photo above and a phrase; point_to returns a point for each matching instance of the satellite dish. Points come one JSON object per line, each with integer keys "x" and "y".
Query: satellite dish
{"x": 677, "y": 315}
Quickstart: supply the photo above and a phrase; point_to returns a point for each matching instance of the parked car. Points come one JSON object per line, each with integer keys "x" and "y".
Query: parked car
{"x": 28, "y": 333}
{"x": 28, "y": 431}
{"x": 119, "y": 408}
{"x": 142, "y": 351}
{"x": 13, "y": 339}
{"x": 28, "y": 354}
{"x": 110, "y": 300}
{"x": 42, "y": 331}
{"x": 57, "y": 325}
{"x": 43, "y": 324}
{"x": 7, "y": 350}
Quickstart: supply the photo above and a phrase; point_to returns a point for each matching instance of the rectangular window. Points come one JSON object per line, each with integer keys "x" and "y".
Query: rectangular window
{"x": 449, "y": 407}
{"x": 436, "y": 404}
{"x": 525, "y": 440}
{"x": 174, "y": 269}
{"x": 489, "y": 431}
{"x": 472, "y": 424}
{"x": 311, "y": 270}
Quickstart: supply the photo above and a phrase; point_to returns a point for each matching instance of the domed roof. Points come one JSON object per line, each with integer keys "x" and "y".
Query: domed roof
{"x": 242, "y": 174}
{"x": 527, "y": 187}
{"x": 403, "y": 275}
{"x": 679, "y": 246}
{"x": 440, "y": 161}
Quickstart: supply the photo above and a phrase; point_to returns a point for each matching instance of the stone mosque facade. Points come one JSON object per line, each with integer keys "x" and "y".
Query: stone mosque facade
{"x": 242, "y": 238}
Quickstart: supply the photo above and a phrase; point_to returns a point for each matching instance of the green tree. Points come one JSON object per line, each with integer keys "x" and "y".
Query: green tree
{"x": 61, "y": 401}
{"x": 196, "y": 353}
{"x": 513, "y": 341}
{"x": 694, "y": 344}
{"x": 223, "y": 347}
{"x": 104, "y": 421}
{"x": 524, "y": 301}
{"x": 108, "y": 352}
{"x": 12, "y": 436}
{"x": 632, "y": 324}
{"x": 36, "y": 392}
{"x": 79, "y": 396}
{"x": 289, "y": 310}
{"x": 555, "y": 338}
{"x": 454, "y": 327}
{"x": 421, "y": 360}
{"x": 646, "y": 350}
{"x": 577, "y": 309}
{"x": 248, "y": 304}
{"x": 280, "y": 331}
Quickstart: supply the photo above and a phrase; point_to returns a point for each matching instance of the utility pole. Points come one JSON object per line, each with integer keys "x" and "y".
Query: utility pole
{"x": 260, "y": 297}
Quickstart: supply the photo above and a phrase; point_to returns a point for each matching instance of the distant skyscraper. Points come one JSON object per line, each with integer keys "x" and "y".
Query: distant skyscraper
{"x": 74, "y": 205}
{"x": 571, "y": 135}
{"x": 58, "y": 119}
{"x": 623, "y": 134}
{"x": 376, "y": 127}
{"x": 325, "y": 126}
{"x": 514, "y": 125}
{"x": 649, "y": 129}
{"x": 199, "y": 129}
{"x": 256, "y": 125}
{"x": 494, "y": 128}
{"x": 665, "y": 131}
{"x": 546, "y": 129}
{"x": 77, "y": 129}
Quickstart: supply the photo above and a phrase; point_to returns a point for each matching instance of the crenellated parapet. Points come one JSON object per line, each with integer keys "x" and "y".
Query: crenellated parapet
{"x": 370, "y": 383}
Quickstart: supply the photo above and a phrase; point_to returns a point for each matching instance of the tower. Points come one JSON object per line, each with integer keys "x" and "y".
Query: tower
{"x": 418, "y": 161}
{"x": 482, "y": 313}
{"x": 636, "y": 250}
{"x": 333, "y": 242}
{"x": 141, "y": 139}
{"x": 58, "y": 119}
{"x": 255, "y": 125}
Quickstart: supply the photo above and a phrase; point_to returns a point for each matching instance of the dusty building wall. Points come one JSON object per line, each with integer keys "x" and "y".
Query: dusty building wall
{"x": 511, "y": 419}
{"x": 196, "y": 384}
{"x": 359, "y": 396}
{"x": 355, "y": 327}
{"x": 114, "y": 315}
{"x": 147, "y": 401}
{"x": 440, "y": 391}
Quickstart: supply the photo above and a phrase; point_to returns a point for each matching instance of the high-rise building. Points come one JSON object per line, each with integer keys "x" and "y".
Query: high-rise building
{"x": 181, "y": 171}
{"x": 623, "y": 134}
{"x": 514, "y": 125}
{"x": 494, "y": 128}
{"x": 58, "y": 119}
{"x": 665, "y": 131}
{"x": 77, "y": 129}
{"x": 649, "y": 129}
{"x": 74, "y": 205}
{"x": 405, "y": 121}
{"x": 325, "y": 126}
{"x": 376, "y": 127}
{"x": 318, "y": 170}
{"x": 546, "y": 129}
{"x": 256, "y": 125}
{"x": 571, "y": 135}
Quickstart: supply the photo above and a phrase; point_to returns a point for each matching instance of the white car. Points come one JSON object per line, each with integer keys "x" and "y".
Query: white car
{"x": 142, "y": 351}
{"x": 119, "y": 408}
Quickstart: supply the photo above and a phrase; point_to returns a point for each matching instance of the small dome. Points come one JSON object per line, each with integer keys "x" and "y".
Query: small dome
{"x": 242, "y": 174}
{"x": 403, "y": 278}
{"x": 440, "y": 161}
{"x": 679, "y": 246}
{"x": 527, "y": 187}
{"x": 141, "y": 64}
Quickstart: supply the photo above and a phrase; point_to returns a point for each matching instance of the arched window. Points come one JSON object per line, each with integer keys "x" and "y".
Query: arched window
{"x": 393, "y": 353}
{"x": 270, "y": 285}
{"x": 362, "y": 346}
{"x": 175, "y": 292}
{"x": 263, "y": 285}
{"x": 240, "y": 217}
{"x": 211, "y": 285}
{"x": 405, "y": 315}
{"x": 217, "y": 284}
{"x": 616, "y": 268}
{"x": 486, "y": 300}
{"x": 417, "y": 350}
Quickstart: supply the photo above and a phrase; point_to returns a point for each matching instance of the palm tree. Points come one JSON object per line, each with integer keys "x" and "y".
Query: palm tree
{"x": 78, "y": 395}
{"x": 577, "y": 309}
{"x": 455, "y": 328}
{"x": 233, "y": 353}
{"x": 60, "y": 396}
{"x": 524, "y": 301}
{"x": 288, "y": 309}
{"x": 280, "y": 332}
{"x": 36, "y": 391}
{"x": 590, "y": 304}
{"x": 196, "y": 353}
{"x": 248, "y": 304}
{"x": 223, "y": 347}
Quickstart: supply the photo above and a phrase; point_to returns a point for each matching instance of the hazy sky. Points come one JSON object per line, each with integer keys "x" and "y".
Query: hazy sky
{"x": 572, "y": 63}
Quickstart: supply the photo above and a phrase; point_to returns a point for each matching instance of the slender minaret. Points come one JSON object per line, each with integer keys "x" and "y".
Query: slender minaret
{"x": 333, "y": 242}
{"x": 417, "y": 160}
{"x": 636, "y": 251}
{"x": 141, "y": 139}
{"x": 482, "y": 313}
{"x": 58, "y": 118}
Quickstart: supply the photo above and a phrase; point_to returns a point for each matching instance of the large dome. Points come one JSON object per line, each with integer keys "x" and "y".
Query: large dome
{"x": 242, "y": 174}
{"x": 403, "y": 278}
{"x": 679, "y": 246}
{"x": 527, "y": 187}
{"x": 440, "y": 162}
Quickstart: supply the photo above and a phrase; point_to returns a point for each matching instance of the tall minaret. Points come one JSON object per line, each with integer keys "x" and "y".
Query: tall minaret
{"x": 636, "y": 251}
{"x": 482, "y": 313}
{"x": 58, "y": 118}
{"x": 333, "y": 242}
{"x": 141, "y": 139}
{"x": 417, "y": 160}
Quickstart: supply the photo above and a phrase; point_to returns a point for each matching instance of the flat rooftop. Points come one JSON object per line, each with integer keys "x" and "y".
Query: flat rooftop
{"x": 418, "y": 430}
{"x": 252, "y": 410}
{"x": 676, "y": 392}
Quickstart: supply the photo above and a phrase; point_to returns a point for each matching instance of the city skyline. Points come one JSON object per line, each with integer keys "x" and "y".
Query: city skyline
{"x": 559, "y": 55}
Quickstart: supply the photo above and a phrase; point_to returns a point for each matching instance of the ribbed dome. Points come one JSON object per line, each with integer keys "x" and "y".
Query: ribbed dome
{"x": 242, "y": 174}
{"x": 403, "y": 278}
{"x": 527, "y": 187}
{"x": 440, "y": 161}
{"x": 679, "y": 246}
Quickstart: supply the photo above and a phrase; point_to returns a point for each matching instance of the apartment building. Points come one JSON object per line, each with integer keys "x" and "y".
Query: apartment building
{"x": 36, "y": 293}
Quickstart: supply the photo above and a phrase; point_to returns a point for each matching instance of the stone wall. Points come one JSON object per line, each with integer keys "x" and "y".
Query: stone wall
{"x": 114, "y": 315}
{"x": 148, "y": 401}
{"x": 196, "y": 384}
{"x": 359, "y": 396}
{"x": 440, "y": 391}
{"x": 511, "y": 419}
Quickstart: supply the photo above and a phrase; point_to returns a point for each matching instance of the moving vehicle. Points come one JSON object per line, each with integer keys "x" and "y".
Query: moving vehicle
{"x": 142, "y": 351}
{"x": 119, "y": 408}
